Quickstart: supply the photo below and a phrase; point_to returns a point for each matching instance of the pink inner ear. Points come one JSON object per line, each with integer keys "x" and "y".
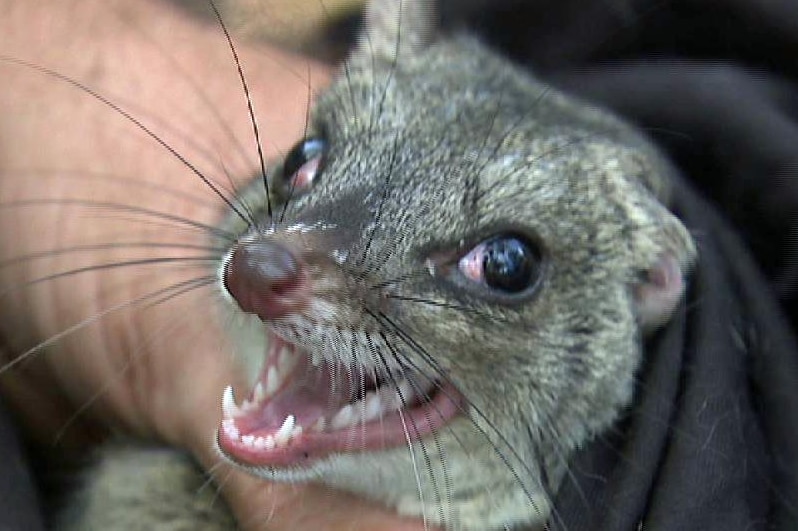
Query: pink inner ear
{"x": 658, "y": 297}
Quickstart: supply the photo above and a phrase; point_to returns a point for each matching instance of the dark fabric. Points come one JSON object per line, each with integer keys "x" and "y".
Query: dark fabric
{"x": 712, "y": 440}
{"x": 711, "y": 443}
{"x": 19, "y": 506}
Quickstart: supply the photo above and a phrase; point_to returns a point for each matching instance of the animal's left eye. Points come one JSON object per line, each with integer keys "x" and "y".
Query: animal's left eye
{"x": 302, "y": 166}
{"x": 508, "y": 264}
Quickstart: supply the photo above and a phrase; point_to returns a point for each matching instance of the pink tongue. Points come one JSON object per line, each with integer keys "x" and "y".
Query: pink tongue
{"x": 308, "y": 397}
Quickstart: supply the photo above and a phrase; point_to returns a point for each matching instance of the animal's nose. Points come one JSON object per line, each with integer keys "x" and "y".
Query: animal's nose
{"x": 266, "y": 278}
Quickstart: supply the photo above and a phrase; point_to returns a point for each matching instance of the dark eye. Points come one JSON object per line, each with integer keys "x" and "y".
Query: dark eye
{"x": 302, "y": 166}
{"x": 510, "y": 264}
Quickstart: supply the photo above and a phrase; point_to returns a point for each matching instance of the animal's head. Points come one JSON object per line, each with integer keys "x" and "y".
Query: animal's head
{"x": 453, "y": 273}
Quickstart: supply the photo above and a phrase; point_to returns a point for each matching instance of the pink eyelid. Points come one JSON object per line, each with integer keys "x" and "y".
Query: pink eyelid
{"x": 305, "y": 175}
{"x": 470, "y": 265}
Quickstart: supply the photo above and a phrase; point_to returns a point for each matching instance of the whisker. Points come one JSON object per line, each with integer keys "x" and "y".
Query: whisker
{"x": 129, "y": 117}
{"x": 250, "y": 108}
{"x": 421, "y": 272}
{"x": 97, "y": 317}
{"x": 429, "y": 359}
{"x": 190, "y": 287}
{"x": 107, "y": 266}
{"x": 540, "y": 157}
{"x": 451, "y": 520}
{"x": 394, "y": 61}
{"x": 448, "y": 305}
{"x": 374, "y": 351}
{"x": 124, "y": 208}
{"x": 304, "y": 135}
{"x": 105, "y": 178}
{"x": 104, "y": 246}
{"x": 383, "y": 197}
{"x": 177, "y": 68}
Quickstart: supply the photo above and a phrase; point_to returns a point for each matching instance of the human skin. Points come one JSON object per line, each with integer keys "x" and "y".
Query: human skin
{"x": 153, "y": 371}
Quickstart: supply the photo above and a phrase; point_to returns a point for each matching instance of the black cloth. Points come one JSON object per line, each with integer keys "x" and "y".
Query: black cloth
{"x": 19, "y": 504}
{"x": 712, "y": 440}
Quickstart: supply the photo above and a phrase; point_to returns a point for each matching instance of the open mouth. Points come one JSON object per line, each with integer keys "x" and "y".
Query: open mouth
{"x": 303, "y": 408}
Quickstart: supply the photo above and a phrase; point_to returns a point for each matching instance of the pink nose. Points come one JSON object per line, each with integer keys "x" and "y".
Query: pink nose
{"x": 266, "y": 279}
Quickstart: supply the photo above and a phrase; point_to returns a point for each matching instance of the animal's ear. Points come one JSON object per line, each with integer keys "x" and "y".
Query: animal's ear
{"x": 396, "y": 29}
{"x": 663, "y": 286}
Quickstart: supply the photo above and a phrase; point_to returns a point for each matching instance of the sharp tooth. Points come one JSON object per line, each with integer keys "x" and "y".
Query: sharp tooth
{"x": 259, "y": 394}
{"x": 404, "y": 395}
{"x": 373, "y": 407}
{"x": 389, "y": 397}
{"x": 272, "y": 381}
{"x": 283, "y": 435}
{"x": 246, "y": 406}
{"x": 343, "y": 418}
{"x": 229, "y": 407}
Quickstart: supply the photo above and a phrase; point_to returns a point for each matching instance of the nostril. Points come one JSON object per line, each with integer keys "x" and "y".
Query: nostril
{"x": 265, "y": 278}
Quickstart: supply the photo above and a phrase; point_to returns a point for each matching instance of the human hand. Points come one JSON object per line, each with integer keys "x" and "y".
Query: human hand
{"x": 95, "y": 283}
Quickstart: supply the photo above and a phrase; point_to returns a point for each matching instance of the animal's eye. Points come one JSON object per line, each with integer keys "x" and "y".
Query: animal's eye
{"x": 302, "y": 166}
{"x": 508, "y": 264}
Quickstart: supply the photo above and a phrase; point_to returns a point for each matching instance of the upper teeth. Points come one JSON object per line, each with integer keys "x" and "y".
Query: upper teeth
{"x": 275, "y": 376}
{"x": 385, "y": 399}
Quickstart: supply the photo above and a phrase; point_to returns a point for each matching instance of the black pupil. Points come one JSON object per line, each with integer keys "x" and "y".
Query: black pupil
{"x": 509, "y": 264}
{"x": 303, "y": 152}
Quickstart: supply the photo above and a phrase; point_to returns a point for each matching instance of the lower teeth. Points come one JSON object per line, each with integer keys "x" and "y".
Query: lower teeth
{"x": 383, "y": 400}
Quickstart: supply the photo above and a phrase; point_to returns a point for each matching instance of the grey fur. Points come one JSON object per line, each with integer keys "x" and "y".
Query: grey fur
{"x": 451, "y": 144}
{"x": 142, "y": 488}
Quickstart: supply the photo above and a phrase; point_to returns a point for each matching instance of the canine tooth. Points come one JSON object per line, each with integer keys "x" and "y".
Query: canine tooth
{"x": 403, "y": 395}
{"x": 391, "y": 400}
{"x": 259, "y": 394}
{"x": 373, "y": 406}
{"x": 343, "y": 418}
{"x": 283, "y": 435}
{"x": 272, "y": 381}
{"x": 229, "y": 407}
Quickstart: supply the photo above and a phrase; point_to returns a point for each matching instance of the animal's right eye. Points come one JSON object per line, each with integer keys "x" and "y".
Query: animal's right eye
{"x": 302, "y": 166}
{"x": 508, "y": 264}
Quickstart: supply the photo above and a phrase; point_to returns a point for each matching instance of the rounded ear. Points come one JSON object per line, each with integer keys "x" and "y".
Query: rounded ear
{"x": 395, "y": 29}
{"x": 659, "y": 293}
